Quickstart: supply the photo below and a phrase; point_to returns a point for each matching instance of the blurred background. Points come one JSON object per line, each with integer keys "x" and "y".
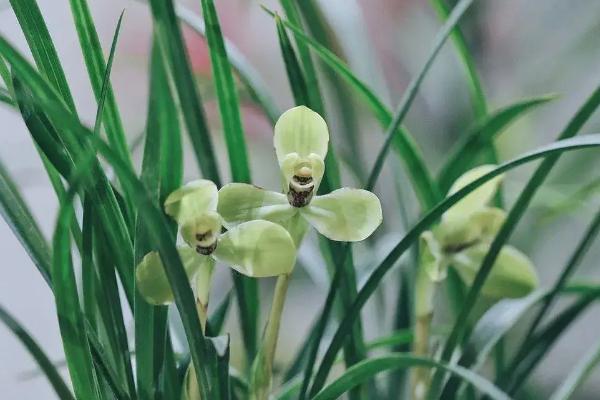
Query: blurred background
{"x": 523, "y": 48}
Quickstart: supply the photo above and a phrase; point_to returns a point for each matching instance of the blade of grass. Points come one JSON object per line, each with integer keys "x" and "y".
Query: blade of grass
{"x": 246, "y": 72}
{"x": 151, "y": 321}
{"x": 411, "y": 92}
{"x": 96, "y": 67}
{"x": 404, "y": 144}
{"x": 229, "y": 107}
{"x": 464, "y": 153}
{"x": 292, "y": 66}
{"x": 578, "y": 375}
{"x": 544, "y": 341}
{"x": 15, "y": 212}
{"x": 466, "y": 59}
{"x": 173, "y": 49}
{"x": 514, "y": 216}
{"x": 38, "y": 354}
{"x": 217, "y": 318}
{"x": 367, "y": 369}
{"x": 432, "y": 216}
{"x": 42, "y": 47}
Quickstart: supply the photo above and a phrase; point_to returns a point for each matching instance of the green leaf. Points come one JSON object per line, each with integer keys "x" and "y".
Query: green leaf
{"x": 348, "y": 215}
{"x": 15, "y": 212}
{"x": 96, "y": 67}
{"x": 227, "y": 95}
{"x": 367, "y": 369}
{"x": 173, "y": 50}
{"x": 52, "y": 374}
{"x": 431, "y": 217}
{"x": 257, "y": 249}
{"x": 411, "y": 92}
{"x": 71, "y": 321}
{"x": 403, "y": 143}
{"x": 514, "y": 216}
{"x": 464, "y": 153}
{"x": 292, "y": 66}
{"x": 42, "y": 48}
{"x": 153, "y": 284}
{"x": 192, "y": 200}
{"x": 467, "y": 61}
{"x": 160, "y": 172}
{"x": 578, "y": 375}
{"x": 246, "y": 72}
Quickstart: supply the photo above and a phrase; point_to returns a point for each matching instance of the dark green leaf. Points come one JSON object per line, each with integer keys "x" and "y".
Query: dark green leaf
{"x": 18, "y": 217}
{"x": 465, "y": 151}
{"x": 173, "y": 50}
{"x": 38, "y": 354}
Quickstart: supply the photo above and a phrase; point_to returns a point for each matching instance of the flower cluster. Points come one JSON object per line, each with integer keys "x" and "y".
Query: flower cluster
{"x": 264, "y": 228}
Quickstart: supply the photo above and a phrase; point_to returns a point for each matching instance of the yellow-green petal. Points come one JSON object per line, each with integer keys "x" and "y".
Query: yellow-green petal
{"x": 193, "y": 199}
{"x": 513, "y": 275}
{"x": 479, "y": 226}
{"x": 241, "y": 202}
{"x": 300, "y": 130}
{"x": 202, "y": 230}
{"x": 348, "y": 215}
{"x": 478, "y": 198}
{"x": 432, "y": 258}
{"x": 257, "y": 249}
{"x": 152, "y": 280}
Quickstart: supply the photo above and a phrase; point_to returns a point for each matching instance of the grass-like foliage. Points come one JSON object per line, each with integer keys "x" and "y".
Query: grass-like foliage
{"x": 144, "y": 239}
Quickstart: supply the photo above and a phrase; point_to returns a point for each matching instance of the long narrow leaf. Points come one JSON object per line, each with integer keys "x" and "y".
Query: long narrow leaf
{"x": 411, "y": 92}
{"x": 578, "y": 375}
{"x": 466, "y": 150}
{"x": 96, "y": 67}
{"x": 173, "y": 49}
{"x": 15, "y": 212}
{"x": 365, "y": 370}
{"x": 38, "y": 355}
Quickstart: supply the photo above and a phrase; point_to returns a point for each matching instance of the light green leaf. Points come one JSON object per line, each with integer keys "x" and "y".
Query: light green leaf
{"x": 478, "y": 198}
{"x": 348, "y": 215}
{"x": 301, "y": 130}
{"x": 241, "y": 202}
{"x": 432, "y": 257}
{"x": 257, "y": 249}
{"x": 192, "y": 200}
{"x": 513, "y": 275}
{"x": 152, "y": 280}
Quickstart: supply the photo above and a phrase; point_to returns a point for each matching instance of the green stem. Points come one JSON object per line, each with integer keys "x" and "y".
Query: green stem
{"x": 262, "y": 368}
{"x": 424, "y": 313}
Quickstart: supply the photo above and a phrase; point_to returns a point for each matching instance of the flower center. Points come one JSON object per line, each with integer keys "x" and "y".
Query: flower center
{"x": 206, "y": 242}
{"x": 301, "y": 188}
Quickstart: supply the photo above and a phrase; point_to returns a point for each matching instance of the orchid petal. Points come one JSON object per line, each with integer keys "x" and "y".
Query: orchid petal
{"x": 190, "y": 201}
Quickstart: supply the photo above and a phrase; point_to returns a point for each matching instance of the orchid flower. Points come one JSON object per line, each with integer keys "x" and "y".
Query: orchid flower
{"x": 301, "y": 139}
{"x": 464, "y": 236}
{"x": 254, "y": 248}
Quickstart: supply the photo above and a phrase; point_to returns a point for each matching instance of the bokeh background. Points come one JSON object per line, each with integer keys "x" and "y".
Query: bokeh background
{"x": 523, "y": 48}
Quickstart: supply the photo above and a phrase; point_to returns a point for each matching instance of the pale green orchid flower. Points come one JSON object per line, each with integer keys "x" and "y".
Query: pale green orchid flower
{"x": 255, "y": 248}
{"x": 463, "y": 238}
{"x": 301, "y": 139}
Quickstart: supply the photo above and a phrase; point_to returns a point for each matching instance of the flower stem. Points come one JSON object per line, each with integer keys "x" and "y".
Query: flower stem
{"x": 262, "y": 368}
{"x": 423, "y": 313}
